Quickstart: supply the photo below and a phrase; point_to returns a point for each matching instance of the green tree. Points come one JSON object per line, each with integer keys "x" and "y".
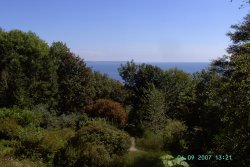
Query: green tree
{"x": 138, "y": 79}
{"x": 106, "y": 88}
{"x": 235, "y": 96}
{"x": 179, "y": 92}
{"x": 75, "y": 87}
{"x": 152, "y": 111}
{"x": 27, "y": 73}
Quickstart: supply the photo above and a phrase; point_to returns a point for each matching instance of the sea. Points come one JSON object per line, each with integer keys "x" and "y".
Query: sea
{"x": 111, "y": 67}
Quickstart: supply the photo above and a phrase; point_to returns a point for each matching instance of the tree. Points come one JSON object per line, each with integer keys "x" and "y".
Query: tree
{"x": 203, "y": 119}
{"x": 235, "y": 96}
{"x": 75, "y": 86}
{"x": 152, "y": 111}
{"x": 106, "y": 88}
{"x": 138, "y": 80}
{"x": 27, "y": 72}
{"x": 179, "y": 93}
{"x": 111, "y": 110}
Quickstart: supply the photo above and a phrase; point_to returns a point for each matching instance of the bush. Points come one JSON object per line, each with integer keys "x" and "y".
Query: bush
{"x": 8, "y": 128}
{"x": 22, "y": 136}
{"x": 13, "y": 162}
{"x": 111, "y": 110}
{"x": 53, "y": 141}
{"x": 94, "y": 145}
{"x": 173, "y": 134}
{"x": 8, "y": 147}
{"x": 30, "y": 138}
{"x": 38, "y": 143}
{"x": 23, "y": 117}
{"x": 139, "y": 159}
{"x": 170, "y": 161}
{"x": 150, "y": 141}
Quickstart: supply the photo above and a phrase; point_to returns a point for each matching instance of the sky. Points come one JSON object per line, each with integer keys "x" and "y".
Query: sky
{"x": 121, "y": 30}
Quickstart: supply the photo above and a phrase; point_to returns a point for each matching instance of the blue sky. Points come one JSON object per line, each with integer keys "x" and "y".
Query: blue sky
{"x": 120, "y": 30}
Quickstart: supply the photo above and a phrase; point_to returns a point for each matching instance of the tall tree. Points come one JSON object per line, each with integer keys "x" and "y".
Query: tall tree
{"x": 235, "y": 96}
{"x": 139, "y": 79}
{"x": 27, "y": 70}
{"x": 74, "y": 79}
{"x": 179, "y": 93}
{"x": 152, "y": 111}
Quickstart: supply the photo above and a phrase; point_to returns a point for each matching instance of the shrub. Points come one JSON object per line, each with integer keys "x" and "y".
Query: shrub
{"x": 150, "y": 141}
{"x": 173, "y": 134}
{"x": 8, "y": 147}
{"x": 139, "y": 159}
{"x": 30, "y": 137}
{"x": 93, "y": 145}
{"x": 38, "y": 143}
{"x": 52, "y": 141}
{"x": 13, "y": 162}
{"x": 170, "y": 161}
{"x": 23, "y": 117}
{"x": 8, "y": 128}
{"x": 111, "y": 110}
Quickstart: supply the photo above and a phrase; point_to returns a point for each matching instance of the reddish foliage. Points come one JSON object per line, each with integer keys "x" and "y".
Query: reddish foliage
{"x": 109, "y": 109}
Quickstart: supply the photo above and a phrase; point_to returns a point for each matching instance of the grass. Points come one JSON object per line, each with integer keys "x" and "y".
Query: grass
{"x": 140, "y": 158}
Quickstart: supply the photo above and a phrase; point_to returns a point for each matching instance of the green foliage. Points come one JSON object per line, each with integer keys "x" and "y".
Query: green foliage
{"x": 170, "y": 93}
{"x": 27, "y": 74}
{"x": 235, "y": 97}
{"x": 37, "y": 143}
{"x": 24, "y": 138}
{"x": 23, "y": 117}
{"x": 13, "y": 162}
{"x": 179, "y": 93}
{"x": 74, "y": 80}
{"x": 150, "y": 141}
{"x": 30, "y": 138}
{"x": 204, "y": 117}
{"x": 8, "y": 128}
{"x": 106, "y": 88}
{"x": 169, "y": 161}
{"x": 94, "y": 145}
{"x": 138, "y": 80}
{"x": 152, "y": 111}
{"x": 58, "y": 87}
{"x": 169, "y": 138}
{"x": 138, "y": 159}
{"x": 173, "y": 133}
{"x": 139, "y": 76}
{"x": 53, "y": 141}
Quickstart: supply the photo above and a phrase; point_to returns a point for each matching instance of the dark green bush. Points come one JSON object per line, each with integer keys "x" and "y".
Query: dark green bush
{"x": 150, "y": 141}
{"x": 23, "y": 117}
{"x": 139, "y": 159}
{"x": 94, "y": 145}
{"x": 173, "y": 134}
{"x": 38, "y": 143}
{"x": 52, "y": 141}
{"x": 8, "y": 128}
{"x": 8, "y": 147}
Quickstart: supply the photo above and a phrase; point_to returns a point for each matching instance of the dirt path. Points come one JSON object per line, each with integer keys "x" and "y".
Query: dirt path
{"x": 132, "y": 145}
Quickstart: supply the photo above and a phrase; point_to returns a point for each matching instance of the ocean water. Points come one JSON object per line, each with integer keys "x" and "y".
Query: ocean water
{"x": 111, "y": 68}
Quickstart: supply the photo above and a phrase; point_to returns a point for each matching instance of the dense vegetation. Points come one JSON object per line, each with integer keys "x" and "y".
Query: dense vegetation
{"x": 55, "y": 111}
